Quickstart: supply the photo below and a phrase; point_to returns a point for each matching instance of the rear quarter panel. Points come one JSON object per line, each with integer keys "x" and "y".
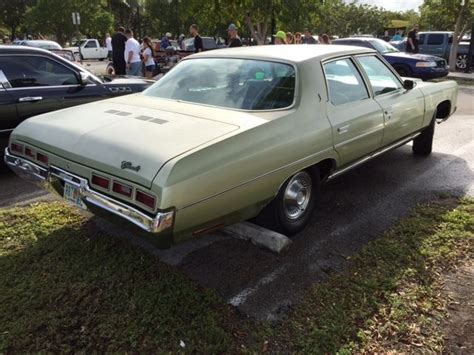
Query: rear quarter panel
{"x": 435, "y": 93}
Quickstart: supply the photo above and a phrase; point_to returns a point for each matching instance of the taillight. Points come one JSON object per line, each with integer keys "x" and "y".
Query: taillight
{"x": 42, "y": 158}
{"x": 100, "y": 181}
{"x": 29, "y": 153}
{"x": 17, "y": 148}
{"x": 146, "y": 199}
{"x": 122, "y": 189}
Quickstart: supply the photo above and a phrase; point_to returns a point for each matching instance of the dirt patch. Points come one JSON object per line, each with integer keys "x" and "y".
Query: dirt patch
{"x": 459, "y": 328}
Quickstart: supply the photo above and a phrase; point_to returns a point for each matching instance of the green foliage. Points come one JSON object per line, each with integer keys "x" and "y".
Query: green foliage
{"x": 441, "y": 15}
{"x": 12, "y": 13}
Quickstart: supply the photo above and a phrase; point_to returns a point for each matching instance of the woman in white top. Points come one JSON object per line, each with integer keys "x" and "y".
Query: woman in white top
{"x": 148, "y": 57}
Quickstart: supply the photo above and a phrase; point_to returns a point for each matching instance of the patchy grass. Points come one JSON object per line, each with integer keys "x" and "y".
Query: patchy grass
{"x": 66, "y": 287}
{"x": 390, "y": 298}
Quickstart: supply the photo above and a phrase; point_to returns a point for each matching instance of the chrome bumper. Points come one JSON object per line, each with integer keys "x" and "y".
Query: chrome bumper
{"x": 53, "y": 175}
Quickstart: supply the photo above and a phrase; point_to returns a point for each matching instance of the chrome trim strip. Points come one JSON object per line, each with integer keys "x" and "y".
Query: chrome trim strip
{"x": 6, "y": 130}
{"x": 371, "y": 156}
{"x": 29, "y": 170}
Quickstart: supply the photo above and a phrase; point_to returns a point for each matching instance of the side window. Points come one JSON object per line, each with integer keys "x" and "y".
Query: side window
{"x": 435, "y": 39}
{"x": 421, "y": 39}
{"x": 91, "y": 44}
{"x": 344, "y": 82}
{"x": 380, "y": 77}
{"x": 31, "y": 71}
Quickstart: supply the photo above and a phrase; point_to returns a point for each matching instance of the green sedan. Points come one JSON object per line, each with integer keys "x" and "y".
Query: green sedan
{"x": 230, "y": 135}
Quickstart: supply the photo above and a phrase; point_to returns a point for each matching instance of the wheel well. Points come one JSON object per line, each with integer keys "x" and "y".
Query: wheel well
{"x": 443, "y": 109}
{"x": 325, "y": 168}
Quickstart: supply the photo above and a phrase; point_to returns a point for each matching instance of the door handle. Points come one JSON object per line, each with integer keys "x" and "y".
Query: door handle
{"x": 30, "y": 99}
{"x": 343, "y": 129}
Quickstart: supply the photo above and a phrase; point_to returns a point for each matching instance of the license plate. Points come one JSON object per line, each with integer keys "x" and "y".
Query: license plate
{"x": 71, "y": 194}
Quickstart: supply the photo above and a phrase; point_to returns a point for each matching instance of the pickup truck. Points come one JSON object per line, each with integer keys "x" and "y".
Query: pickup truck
{"x": 89, "y": 49}
{"x": 438, "y": 44}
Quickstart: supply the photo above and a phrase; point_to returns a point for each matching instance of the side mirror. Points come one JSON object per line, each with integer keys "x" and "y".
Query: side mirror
{"x": 408, "y": 84}
{"x": 84, "y": 78}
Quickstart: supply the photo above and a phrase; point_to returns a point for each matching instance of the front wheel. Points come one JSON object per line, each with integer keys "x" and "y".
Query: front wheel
{"x": 423, "y": 144}
{"x": 291, "y": 210}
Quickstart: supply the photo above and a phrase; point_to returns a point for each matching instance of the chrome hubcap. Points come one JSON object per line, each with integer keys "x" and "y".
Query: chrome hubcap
{"x": 297, "y": 195}
{"x": 461, "y": 61}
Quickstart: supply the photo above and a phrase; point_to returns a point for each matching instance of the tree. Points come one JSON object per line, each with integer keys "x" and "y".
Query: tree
{"x": 54, "y": 17}
{"x": 448, "y": 15}
{"x": 12, "y": 14}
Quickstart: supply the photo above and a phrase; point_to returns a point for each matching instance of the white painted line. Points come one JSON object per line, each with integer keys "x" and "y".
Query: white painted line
{"x": 242, "y": 296}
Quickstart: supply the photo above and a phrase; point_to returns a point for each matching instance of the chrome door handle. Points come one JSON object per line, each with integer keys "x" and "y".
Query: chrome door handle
{"x": 30, "y": 99}
{"x": 343, "y": 129}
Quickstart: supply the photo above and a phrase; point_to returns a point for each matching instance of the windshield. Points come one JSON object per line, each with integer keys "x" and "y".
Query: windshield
{"x": 232, "y": 83}
{"x": 80, "y": 43}
{"x": 384, "y": 47}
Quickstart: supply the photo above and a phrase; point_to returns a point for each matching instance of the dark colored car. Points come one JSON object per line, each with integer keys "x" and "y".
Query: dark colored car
{"x": 209, "y": 43}
{"x": 420, "y": 66}
{"x": 34, "y": 81}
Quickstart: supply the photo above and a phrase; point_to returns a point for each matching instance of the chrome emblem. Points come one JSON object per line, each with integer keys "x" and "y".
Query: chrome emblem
{"x": 129, "y": 165}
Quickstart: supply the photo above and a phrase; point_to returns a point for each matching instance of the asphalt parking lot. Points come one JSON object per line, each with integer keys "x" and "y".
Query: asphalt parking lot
{"x": 354, "y": 209}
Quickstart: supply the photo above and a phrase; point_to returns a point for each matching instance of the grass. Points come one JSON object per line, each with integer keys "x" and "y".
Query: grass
{"x": 66, "y": 287}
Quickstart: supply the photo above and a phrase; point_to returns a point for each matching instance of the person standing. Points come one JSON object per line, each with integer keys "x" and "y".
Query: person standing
{"x": 234, "y": 39}
{"x": 181, "y": 44}
{"x": 290, "y": 38}
{"x": 280, "y": 38}
{"x": 298, "y": 39}
{"x": 397, "y": 36}
{"x": 118, "y": 48}
{"x": 165, "y": 41}
{"x": 132, "y": 54}
{"x": 308, "y": 38}
{"x": 148, "y": 57}
{"x": 108, "y": 45}
{"x": 412, "y": 40}
{"x": 325, "y": 39}
{"x": 198, "y": 45}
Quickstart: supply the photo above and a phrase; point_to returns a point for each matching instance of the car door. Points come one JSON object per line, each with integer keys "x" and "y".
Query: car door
{"x": 403, "y": 110}
{"x": 91, "y": 50}
{"x": 356, "y": 119}
{"x": 435, "y": 44}
{"x": 8, "y": 115}
{"x": 40, "y": 84}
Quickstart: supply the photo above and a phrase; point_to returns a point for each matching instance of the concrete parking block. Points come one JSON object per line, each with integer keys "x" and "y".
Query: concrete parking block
{"x": 260, "y": 236}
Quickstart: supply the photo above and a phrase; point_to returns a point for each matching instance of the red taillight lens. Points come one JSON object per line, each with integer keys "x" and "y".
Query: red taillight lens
{"x": 29, "y": 153}
{"x": 42, "y": 158}
{"x": 17, "y": 148}
{"x": 122, "y": 189}
{"x": 100, "y": 181}
{"x": 146, "y": 199}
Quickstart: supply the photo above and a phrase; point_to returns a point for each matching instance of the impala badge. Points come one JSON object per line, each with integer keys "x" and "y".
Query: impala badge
{"x": 129, "y": 165}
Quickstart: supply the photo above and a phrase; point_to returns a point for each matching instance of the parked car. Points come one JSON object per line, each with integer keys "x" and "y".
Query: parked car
{"x": 68, "y": 54}
{"x": 39, "y": 43}
{"x": 229, "y": 135}
{"x": 35, "y": 81}
{"x": 209, "y": 43}
{"x": 439, "y": 44}
{"x": 420, "y": 66}
{"x": 90, "y": 49}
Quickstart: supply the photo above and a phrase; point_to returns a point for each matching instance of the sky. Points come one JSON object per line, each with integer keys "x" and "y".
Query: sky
{"x": 395, "y": 5}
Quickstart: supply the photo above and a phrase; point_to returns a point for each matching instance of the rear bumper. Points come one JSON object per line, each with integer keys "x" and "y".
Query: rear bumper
{"x": 53, "y": 178}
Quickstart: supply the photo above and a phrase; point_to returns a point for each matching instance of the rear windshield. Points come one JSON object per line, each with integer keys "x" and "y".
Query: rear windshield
{"x": 232, "y": 83}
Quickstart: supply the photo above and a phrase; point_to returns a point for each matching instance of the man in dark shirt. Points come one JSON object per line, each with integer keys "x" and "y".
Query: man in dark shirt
{"x": 194, "y": 31}
{"x": 118, "y": 50}
{"x": 412, "y": 40}
{"x": 234, "y": 39}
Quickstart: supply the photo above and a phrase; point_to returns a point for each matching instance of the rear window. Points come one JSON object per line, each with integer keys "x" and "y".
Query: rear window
{"x": 232, "y": 83}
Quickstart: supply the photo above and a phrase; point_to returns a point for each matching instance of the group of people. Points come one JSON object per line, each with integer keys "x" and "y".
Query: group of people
{"x": 129, "y": 56}
{"x": 298, "y": 38}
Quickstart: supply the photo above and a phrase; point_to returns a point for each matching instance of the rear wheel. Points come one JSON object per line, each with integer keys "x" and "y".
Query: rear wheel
{"x": 461, "y": 61}
{"x": 291, "y": 209}
{"x": 423, "y": 144}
